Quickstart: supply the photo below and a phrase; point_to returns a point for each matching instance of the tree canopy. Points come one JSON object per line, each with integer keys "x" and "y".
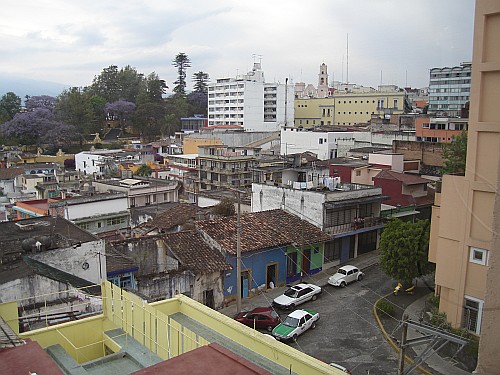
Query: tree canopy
{"x": 10, "y": 104}
{"x": 455, "y": 155}
{"x": 181, "y": 62}
{"x": 200, "y": 80}
{"x": 38, "y": 126}
{"x": 225, "y": 207}
{"x": 144, "y": 170}
{"x": 404, "y": 248}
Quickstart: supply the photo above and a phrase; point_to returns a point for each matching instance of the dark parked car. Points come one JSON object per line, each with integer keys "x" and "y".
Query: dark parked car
{"x": 260, "y": 317}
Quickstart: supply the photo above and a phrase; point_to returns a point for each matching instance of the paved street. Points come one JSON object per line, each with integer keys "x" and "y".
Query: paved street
{"x": 347, "y": 332}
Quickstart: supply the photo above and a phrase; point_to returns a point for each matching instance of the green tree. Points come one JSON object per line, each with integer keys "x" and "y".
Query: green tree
{"x": 74, "y": 107}
{"x": 106, "y": 84}
{"x": 181, "y": 62}
{"x": 455, "y": 155}
{"x": 10, "y": 104}
{"x": 404, "y": 248}
{"x": 129, "y": 83}
{"x": 144, "y": 170}
{"x": 149, "y": 120}
{"x": 200, "y": 80}
{"x": 176, "y": 107}
{"x": 225, "y": 207}
{"x": 152, "y": 89}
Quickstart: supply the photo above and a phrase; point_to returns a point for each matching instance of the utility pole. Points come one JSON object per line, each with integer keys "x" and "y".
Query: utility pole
{"x": 402, "y": 346}
{"x": 238, "y": 257}
{"x": 238, "y": 251}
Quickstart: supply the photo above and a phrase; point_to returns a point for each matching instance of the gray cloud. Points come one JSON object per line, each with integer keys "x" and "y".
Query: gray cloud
{"x": 71, "y": 42}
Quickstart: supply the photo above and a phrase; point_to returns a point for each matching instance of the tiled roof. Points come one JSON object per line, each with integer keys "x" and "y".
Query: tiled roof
{"x": 193, "y": 253}
{"x": 10, "y": 173}
{"x": 177, "y": 215}
{"x": 116, "y": 261}
{"x": 261, "y": 230}
{"x": 405, "y": 178}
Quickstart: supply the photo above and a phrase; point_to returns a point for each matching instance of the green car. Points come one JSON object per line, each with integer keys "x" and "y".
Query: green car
{"x": 295, "y": 324}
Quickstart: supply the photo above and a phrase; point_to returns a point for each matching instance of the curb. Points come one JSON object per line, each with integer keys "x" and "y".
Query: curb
{"x": 389, "y": 339}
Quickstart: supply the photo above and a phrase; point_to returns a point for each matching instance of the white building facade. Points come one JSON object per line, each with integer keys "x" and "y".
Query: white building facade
{"x": 326, "y": 145}
{"x": 250, "y": 102}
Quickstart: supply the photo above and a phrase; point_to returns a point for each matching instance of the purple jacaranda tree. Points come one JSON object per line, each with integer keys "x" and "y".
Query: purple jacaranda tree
{"x": 119, "y": 110}
{"x": 39, "y": 126}
{"x": 41, "y": 101}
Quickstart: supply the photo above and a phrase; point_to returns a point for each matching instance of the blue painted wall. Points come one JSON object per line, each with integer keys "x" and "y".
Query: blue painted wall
{"x": 256, "y": 262}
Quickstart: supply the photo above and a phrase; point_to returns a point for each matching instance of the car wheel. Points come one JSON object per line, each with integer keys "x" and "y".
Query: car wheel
{"x": 269, "y": 328}
{"x": 294, "y": 337}
{"x": 360, "y": 277}
{"x": 314, "y": 297}
{"x": 343, "y": 284}
{"x": 313, "y": 325}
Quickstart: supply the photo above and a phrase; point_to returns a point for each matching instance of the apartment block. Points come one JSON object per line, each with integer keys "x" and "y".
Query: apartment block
{"x": 250, "y": 102}
{"x": 449, "y": 89}
{"x": 464, "y": 232}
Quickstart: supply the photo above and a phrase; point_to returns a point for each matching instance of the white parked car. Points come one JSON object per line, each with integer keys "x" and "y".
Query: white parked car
{"x": 346, "y": 275}
{"x": 296, "y": 295}
{"x": 295, "y": 324}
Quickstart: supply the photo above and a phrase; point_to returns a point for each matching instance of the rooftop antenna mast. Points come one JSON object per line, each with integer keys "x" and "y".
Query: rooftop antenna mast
{"x": 347, "y": 64}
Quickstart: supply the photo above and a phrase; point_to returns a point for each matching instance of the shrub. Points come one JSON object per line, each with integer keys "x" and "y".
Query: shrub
{"x": 386, "y": 307}
{"x": 434, "y": 300}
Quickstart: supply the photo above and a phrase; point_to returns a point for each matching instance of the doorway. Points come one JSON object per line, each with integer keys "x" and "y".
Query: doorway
{"x": 306, "y": 261}
{"x": 271, "y": 275}
{"x": 245, "y": 283}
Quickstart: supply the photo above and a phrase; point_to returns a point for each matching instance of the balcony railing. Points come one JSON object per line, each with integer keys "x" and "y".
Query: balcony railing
{"x": 357, "y": 224}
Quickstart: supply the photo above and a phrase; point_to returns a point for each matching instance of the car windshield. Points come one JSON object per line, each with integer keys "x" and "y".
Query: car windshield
{"x": 291, "y": 293}
{"x": 343, "y": 272}
{"x": 274, "y": 314}
{"x": 291, "y": 322}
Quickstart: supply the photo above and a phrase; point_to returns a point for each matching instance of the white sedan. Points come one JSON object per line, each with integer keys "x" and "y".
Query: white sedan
{"x": 346, "y": 275}
{"x": 296, "y": 295}
{"x": 295, "y": 324}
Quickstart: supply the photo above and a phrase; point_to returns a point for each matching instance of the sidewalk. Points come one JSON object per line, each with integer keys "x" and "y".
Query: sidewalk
{"x": 321, "y": 279}
{"x": 436, "y": 362}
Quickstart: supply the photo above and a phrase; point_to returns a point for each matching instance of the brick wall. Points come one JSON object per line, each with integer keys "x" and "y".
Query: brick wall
{"x": 428, "y": 153}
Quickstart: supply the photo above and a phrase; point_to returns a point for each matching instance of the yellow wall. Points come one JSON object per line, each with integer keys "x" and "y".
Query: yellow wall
{"x": 345, "y": 109}
{"x": 150, "y": 325}
{"x": 309, "y": 112}
{"x": 190, "y": 145}
{"x": 9, "y": 313}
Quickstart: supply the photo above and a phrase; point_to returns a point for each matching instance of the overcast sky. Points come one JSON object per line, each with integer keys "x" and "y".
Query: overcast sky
{"x": 393, "y": 41}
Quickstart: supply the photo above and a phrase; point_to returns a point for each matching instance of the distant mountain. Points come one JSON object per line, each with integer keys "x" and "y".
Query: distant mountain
{"x": 25, "y": 86}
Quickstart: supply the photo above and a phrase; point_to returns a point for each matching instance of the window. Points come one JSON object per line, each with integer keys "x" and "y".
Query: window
{"x": 473, "y": 311}
{"x": 85, "y": 226}
{"x": 358, "y": 173}
{"x": 395, "y": 103}
{"x": 478, "y": 256}
{"x": 132, "y": 202}
{"x": 321, "y": 141}
{"x": 148, "y": 199}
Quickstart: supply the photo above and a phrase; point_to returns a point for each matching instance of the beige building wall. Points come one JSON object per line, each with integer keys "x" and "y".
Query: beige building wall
{"x": 462, "y": 241}
{"x": 313, "y": 112}
{"x": 190, "y": 145}
{"x": 347, "y": 109}
{"x": 353, "y": 109}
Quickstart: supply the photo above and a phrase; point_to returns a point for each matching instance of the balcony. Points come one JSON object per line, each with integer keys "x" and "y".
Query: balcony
{"x": 358, "y": 225}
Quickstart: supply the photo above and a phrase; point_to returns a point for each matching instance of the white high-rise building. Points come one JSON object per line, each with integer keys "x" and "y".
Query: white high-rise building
{"x": 250, "y": 102}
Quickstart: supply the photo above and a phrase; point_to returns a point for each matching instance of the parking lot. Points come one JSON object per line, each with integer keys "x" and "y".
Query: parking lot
{"x": 347, "y": 332}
